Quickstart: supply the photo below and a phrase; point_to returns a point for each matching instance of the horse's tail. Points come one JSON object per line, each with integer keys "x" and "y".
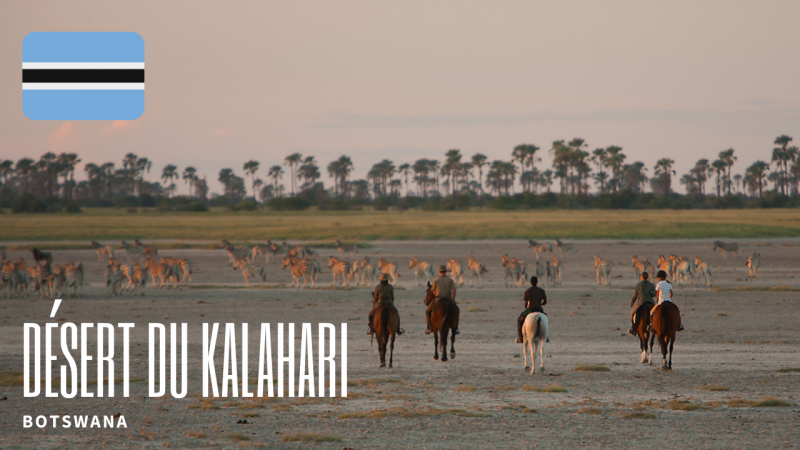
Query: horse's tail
{"x": 536, "y": 328}
{"x": 385, "y": 320}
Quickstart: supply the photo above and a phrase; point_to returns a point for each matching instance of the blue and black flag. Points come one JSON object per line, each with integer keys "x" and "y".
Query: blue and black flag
{"x": 83, "y": 76}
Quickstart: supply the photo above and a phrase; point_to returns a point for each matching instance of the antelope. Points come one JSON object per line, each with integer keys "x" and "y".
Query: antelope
{"x": 603, "y": 272}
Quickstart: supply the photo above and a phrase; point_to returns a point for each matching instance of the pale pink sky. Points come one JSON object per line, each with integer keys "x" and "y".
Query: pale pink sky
{"x": 228, "y": 82}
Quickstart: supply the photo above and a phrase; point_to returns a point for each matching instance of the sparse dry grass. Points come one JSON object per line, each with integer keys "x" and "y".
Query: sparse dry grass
{"x": 789, "y": 369}
{"x": 717, "y": 388}
{"x": 465, "y": 389}
{"x": 520, "y": 408}
{"x": 588, "y": 410}
{"x": 549, "y": 389}
{"x": 10, "y": 378}
{"x": 367, "y": 382}
{"x": 722, "y": 314}
{"x": 475, "y": 310}
{"x": 685, "y": 405}
{"x": 196, "y": 435}
{"x": 766, "y": 402}
{"x": 310, "y": 437}
{"x": 757, "y": 289}
{"x": 115, "y": 224}
{"x": 639, "y": 415}
{"x": 238, "y": 437}
{"x": 413, "y": 413}
{"x": 590, "y": 368}
{"x": 250, "y": 415}
{"x": 204, "y": 404}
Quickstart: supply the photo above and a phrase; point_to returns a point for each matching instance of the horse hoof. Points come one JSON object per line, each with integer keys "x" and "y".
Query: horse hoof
{"x": 383, "y": 365}
{"x": 435, "y": 357}
{"x": 453, "y": 355}
{"x": 444, "y": 358}
{"x": 541, "y": 369}
{"x": 390, "y": 365}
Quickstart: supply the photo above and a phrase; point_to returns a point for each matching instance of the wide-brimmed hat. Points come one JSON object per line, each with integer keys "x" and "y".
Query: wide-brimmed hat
{"x": 384, "y": 277}
{"x": 442, "y": 268}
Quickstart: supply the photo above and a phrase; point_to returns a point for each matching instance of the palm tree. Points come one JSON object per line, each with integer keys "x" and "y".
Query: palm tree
{"x": 275, "y": 172}
{"x": 169, "y": 173}
{"x": 479, "y": 160}
{"x": 452, "y": 163}
{"x": 782, "y": 157}
{"x": 190, "y": 177}
{"x": 729, "y": 159}
{"x": 599, "y": 158}
{"x": 24, "y": 168}
{"x": 718, "y": 168}
{"x": 700, "y": 173}
{"x": 663, "y": 171}
{"x": 308, "y": 172}
{"x": 292, "y": 161}
{"x": 250, "y": 168}
{"x": 615, "y": 161}
{"x": 404, "y": 169}
{"x": 421, "y": 169}
{"x": 757, "y": 172}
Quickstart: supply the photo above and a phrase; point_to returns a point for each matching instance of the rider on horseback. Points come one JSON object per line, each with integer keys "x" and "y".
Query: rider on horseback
{"x": 664, "y": 292}
{"x": 383, "y": 295}
{"x": 444, "y": 288}
{"x": 643, "y": 294}
{"x": 534, "y": 299}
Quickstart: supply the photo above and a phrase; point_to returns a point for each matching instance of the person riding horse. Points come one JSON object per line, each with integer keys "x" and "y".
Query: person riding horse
{"x": 444, "y": 288}
{"x": 534, "y": 299}
{"x": 383, "y": 295}
{"x": 664, "y": 293}
{"x": 644, "y": 293}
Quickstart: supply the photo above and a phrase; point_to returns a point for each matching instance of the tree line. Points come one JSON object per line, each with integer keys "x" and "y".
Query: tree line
{"x": 457, "y": 180}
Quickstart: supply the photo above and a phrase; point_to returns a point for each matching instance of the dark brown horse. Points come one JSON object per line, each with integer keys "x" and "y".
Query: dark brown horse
{"x": 385, "y": 324}
{"x": 666, "y": 321}
{"x": 444, "y": 320}
{"x": 643, "y": 331}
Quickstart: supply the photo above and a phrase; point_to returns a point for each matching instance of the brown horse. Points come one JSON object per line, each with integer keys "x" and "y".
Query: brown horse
{"x": 444, "y": 320}
{"x": 643, "y": 331}
{"x": 666, "y": 321}
{"x": 385, "y": 324}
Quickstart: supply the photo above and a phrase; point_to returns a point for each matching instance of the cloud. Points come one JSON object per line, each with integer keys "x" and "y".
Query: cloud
{"x": 120, "y": 125}
{"x": 65, "y": 139}
{"x": 223, "y": 132}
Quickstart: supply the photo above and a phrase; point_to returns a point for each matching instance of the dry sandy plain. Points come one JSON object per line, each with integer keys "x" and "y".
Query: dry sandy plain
{"x": 729, "y": 357}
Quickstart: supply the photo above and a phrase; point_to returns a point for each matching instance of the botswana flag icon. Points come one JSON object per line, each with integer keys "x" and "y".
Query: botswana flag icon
{"x": 83, "y": 76}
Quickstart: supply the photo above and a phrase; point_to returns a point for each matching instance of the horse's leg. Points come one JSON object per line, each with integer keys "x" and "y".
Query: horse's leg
{"x": 671, "y": 342}
{"x": 391, "y": 349}
{"x": 542, "y": 341}
{"x": 453, "y": 344}
{"x": 662, "y": 342}
{"x": 435, "y": 342}
{"x": 652, "y": 335}
{"x": 443, "y": 338}
{"x": 525, "y": 350}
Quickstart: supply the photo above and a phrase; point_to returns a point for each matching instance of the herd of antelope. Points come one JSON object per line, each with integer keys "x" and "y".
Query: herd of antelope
{"x": 144, "y": 266}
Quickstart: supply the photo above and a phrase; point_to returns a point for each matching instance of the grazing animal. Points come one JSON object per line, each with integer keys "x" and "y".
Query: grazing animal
{"x": 643, "y": 331}
{"x": 421, "y": 269}
{"x": 444, "y": 321}
{"x": 753, "y": 263}
{"x": 234, "y": 253}
{"x": 149, "y": 251}
{"x": 40, "y": 257}
{"x": 57, "y": 281}
{"x": 538, "y": 248}
{"x": 510, "y": 270}
{"x": 702, "y": 268}
{"x": 667, "y": 265}
{"x": 556, "y": 271}
{"x": 535, "y": 330}
{"x": 74, "y": 277}
{"x": 666, "y": 321}
{"x": 350, "y": 248}
{"x": 385, "y": 324}
{"x": 640, "y": 265}
{"x": 541, "y": 271}
{"x": 603, "y": 272}
{"x": 723, "y": 247}
{"x": 274, "y": 250}
{"x": 455, "y": 271}
{"x": 113, "y": 277}
{"x": 132, "y": 251}
{"x": 564, "y": 246}
{"x": 182, "y": 265}
{"x": 341, "y": 270}
{"x": 250, "y": 270}
{"x": 390, "y": 268}
{"x": 684, "y": 273}
{"x": 102, "y": 251}
{"x": 367, "y": 271}
{"x": 477, "y": 270}
{"x": 301, "y": 268}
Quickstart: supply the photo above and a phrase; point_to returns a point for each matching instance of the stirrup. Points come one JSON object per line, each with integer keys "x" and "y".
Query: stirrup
{"x": 400, "y": 331}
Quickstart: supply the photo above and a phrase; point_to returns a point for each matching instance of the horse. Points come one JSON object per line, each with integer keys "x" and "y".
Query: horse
{"x": 643, "y": 331}
{"x": 444, "y": 320}
{"x": 666, "y": 321}
{"x": 534, "y": 333}
{"x": 385, "y": 324}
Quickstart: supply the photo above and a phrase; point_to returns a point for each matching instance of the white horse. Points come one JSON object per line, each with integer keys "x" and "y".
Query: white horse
{"x": 534, "y": 333}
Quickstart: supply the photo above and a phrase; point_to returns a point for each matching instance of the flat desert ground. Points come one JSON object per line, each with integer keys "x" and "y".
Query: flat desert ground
{"x": 737, "y": 338}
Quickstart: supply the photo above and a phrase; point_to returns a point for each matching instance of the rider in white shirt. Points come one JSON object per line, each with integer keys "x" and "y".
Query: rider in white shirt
{"x": 663, "y": 292}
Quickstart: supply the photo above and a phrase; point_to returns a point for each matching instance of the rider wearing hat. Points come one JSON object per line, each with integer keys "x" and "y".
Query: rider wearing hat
{"x": 383, "y": 295}
{"x": 444, "y": 288}
{"x": 644, "y": 293}
{"x": 663, "y": 292}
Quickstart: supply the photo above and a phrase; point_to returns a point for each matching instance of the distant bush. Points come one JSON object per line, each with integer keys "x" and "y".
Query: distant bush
{"x": 288, "y": 204}
{"x": 244, "y": 205}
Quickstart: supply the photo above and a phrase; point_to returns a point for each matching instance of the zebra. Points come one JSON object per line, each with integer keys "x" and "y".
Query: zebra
{"x": 541, "y": 271}
{"x": 26, "y": 274}
{"x": 421, "y": 269}
{"x": 149, "y": 251}
{"x": 367, "y": 271}
{"x": 455, "y": 271}
{"x": 352, "y": 248}
{"x": 603, "y": 272}
{"x": 11, "y": 279}
{"x": 341, "y": 269}
{"x": 102, "y": 250}
{"x": 512, "y": 268}
{"x": 57, "y": 281}
{"x": 538, "y": 248}
{"x": 640, "y": 266}
{"x": 250, "y": 270}
{"x": 137, "y": 277}
{"x": 667, "y": 265}
{"x": 163, "y": 271}
{"x": 564, "y": 246}
{"x": 390, "y": 268}
{"x": 184, "y": 266}
{"x": 556, "y": 272}
{"x": 274, "y": 250}
{"x": 477, "y": 270}
{"x": 702, "y": 268}
{"x": 684, "y": 273}
{"x": 300, "y": 268}
{"x": 234, "y": 253}
{"x": 74, "y": 277}
{"x": 133, "y": 251}
{"x": 723, "y": 247}
{"x": 113, "y": 277}
{"x": 40, "y": 280}
{"x": 753, "y": 263}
